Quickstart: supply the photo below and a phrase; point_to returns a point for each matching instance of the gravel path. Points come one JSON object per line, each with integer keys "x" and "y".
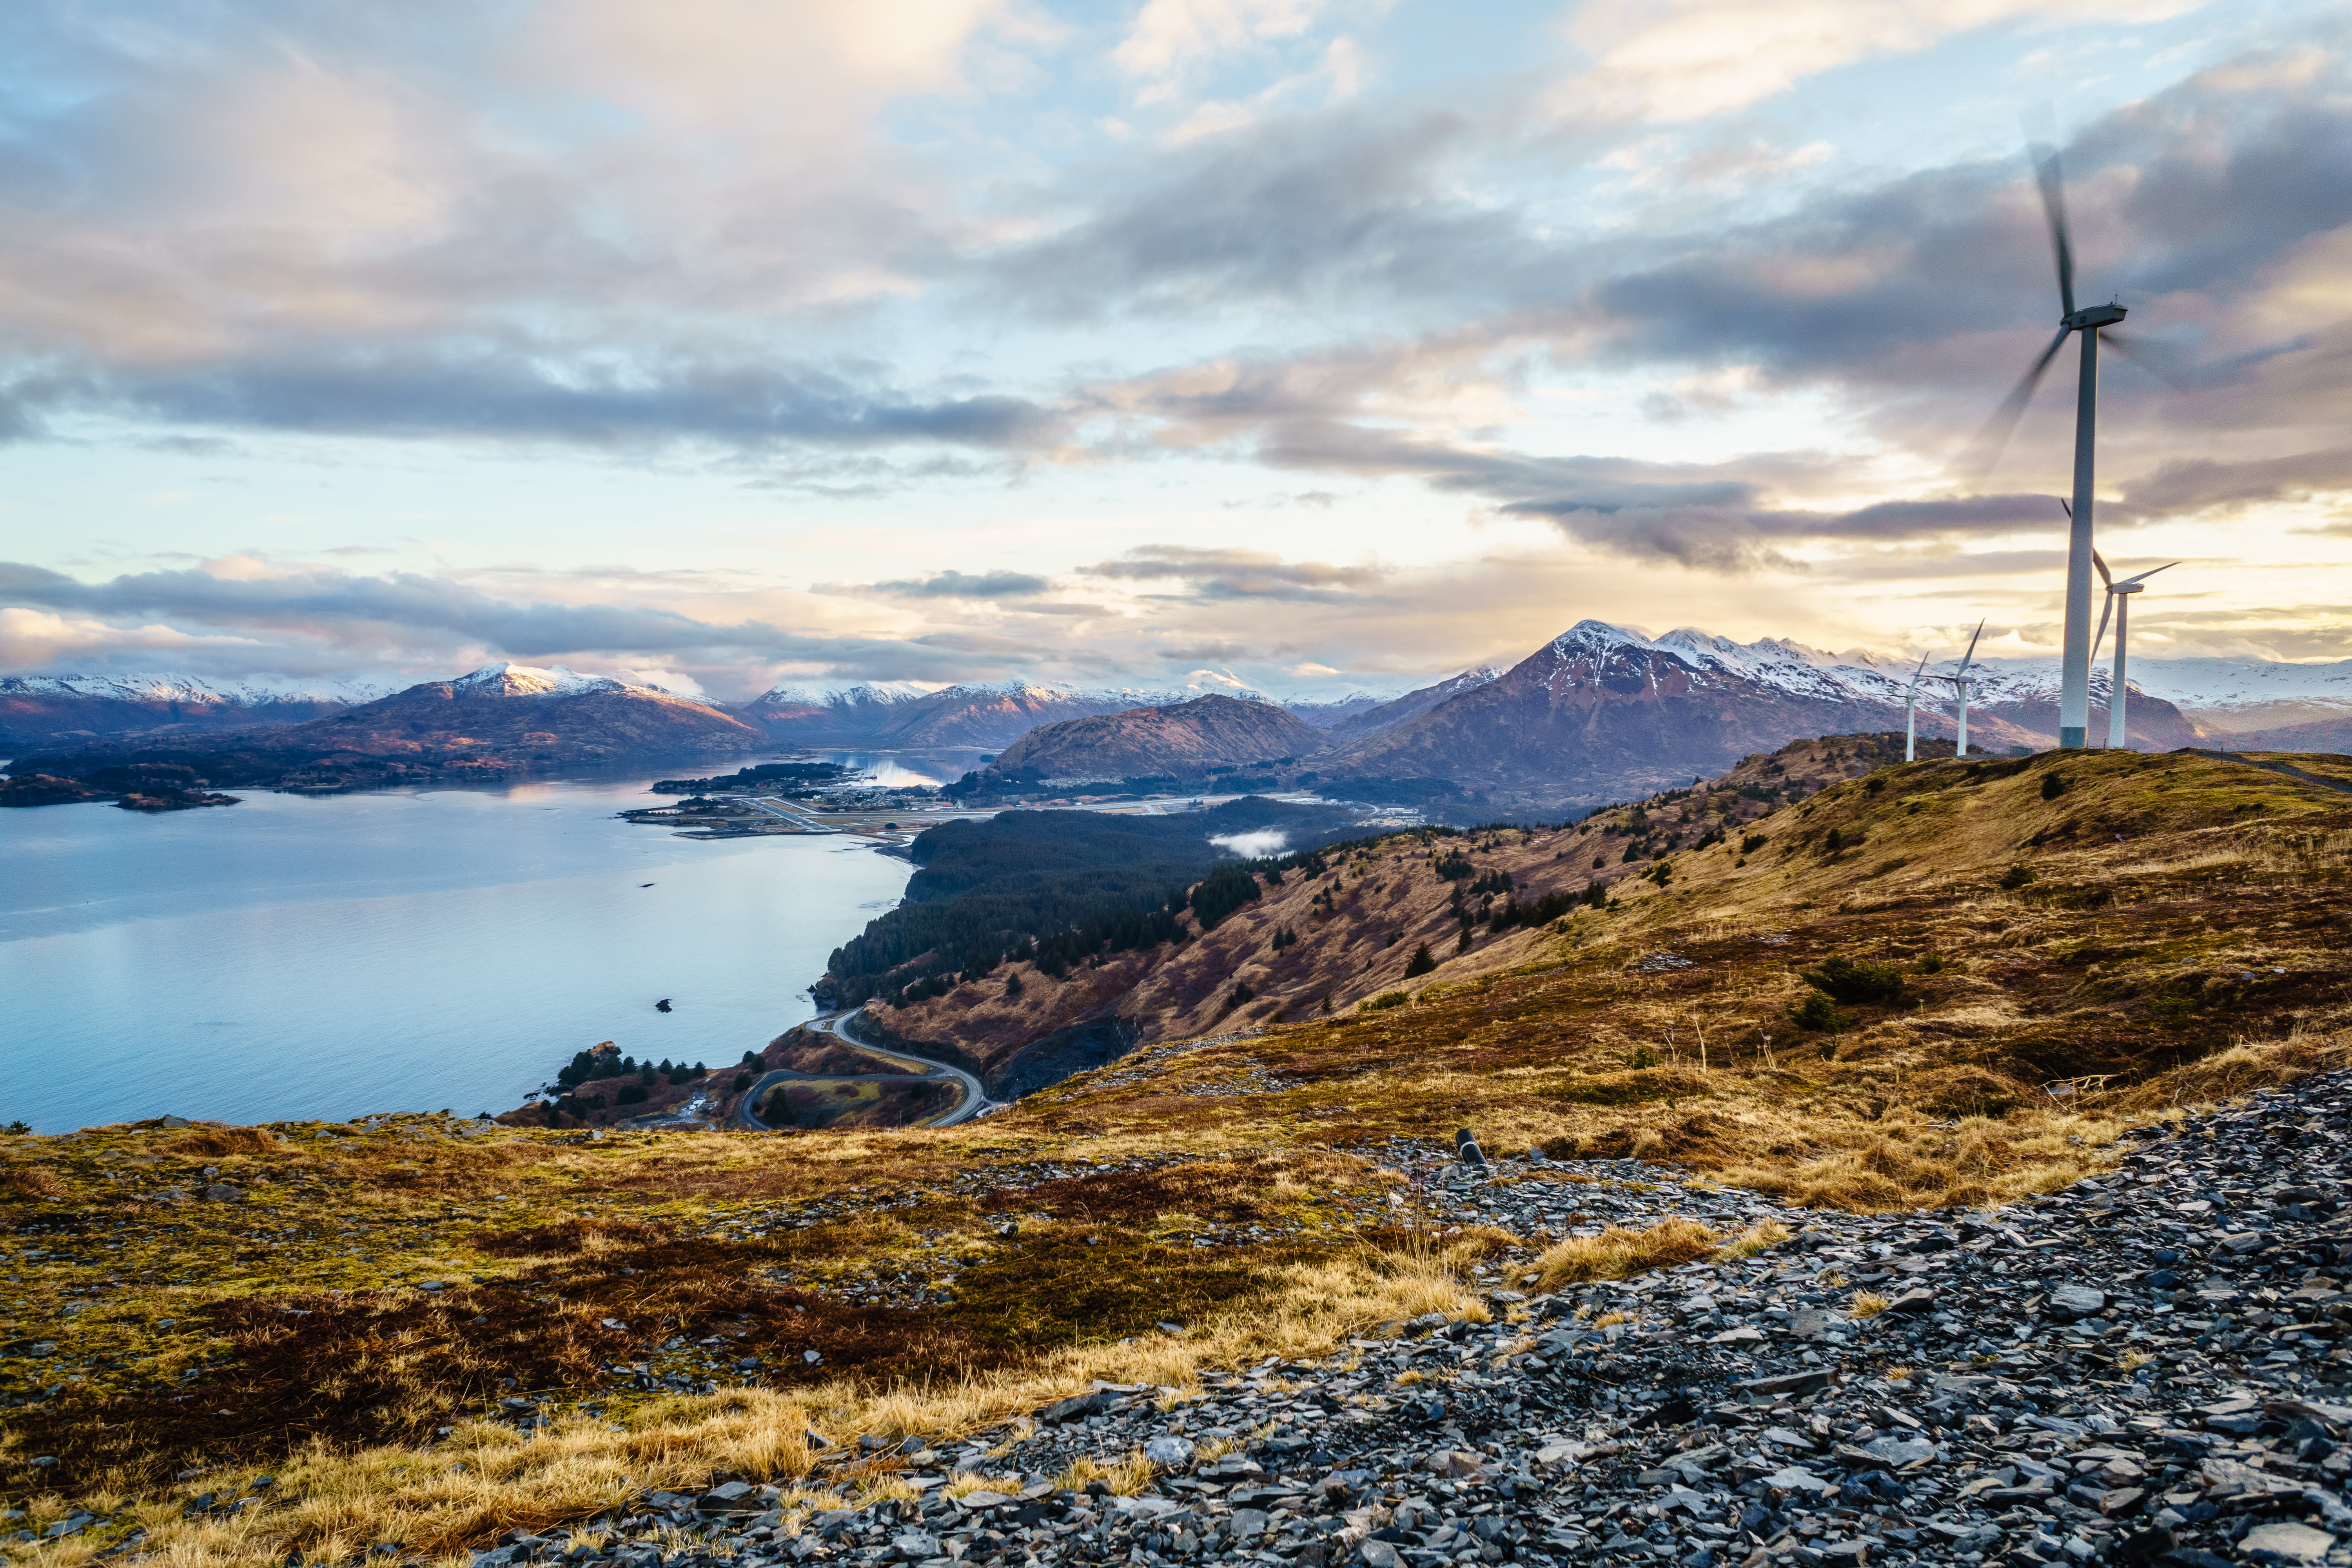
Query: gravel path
{"x": 2147, "y": 1368}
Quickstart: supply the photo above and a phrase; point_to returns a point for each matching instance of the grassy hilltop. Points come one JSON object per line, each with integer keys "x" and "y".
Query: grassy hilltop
{"x": 1940, "y": 982}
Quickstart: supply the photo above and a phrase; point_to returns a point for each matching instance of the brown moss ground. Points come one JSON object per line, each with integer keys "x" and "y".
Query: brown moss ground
{"x": 2182, "y": 940}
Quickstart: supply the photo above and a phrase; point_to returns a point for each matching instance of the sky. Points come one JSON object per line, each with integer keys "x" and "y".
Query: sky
{"x": 1331, "y": 344}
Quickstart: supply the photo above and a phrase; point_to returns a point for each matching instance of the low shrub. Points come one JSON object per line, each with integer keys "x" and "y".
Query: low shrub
{"x": 1818, "y": 1012}
{"x": 1847, "y": 979}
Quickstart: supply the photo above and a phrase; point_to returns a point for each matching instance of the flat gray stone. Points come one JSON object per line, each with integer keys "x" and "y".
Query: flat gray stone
{"x": 1169, "y": 1452}
{"x": 2286, "y": 1542}
{"x": 2078, "y": 1301}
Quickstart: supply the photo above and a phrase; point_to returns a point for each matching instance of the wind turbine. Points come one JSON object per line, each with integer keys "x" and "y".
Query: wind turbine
{"x": 2075, "y": 684}
{"x": 2119, "y": 604}
{"x": 1910, "y": 722}
{"x": 1961, "y": 680}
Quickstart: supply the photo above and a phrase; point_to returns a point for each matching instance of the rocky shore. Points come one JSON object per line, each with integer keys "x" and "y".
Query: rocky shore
{"x": 2147, "y": 1368}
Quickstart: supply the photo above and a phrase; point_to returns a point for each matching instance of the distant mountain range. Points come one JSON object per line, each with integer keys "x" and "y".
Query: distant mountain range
{"x": 498, "y": 719}
{"x": 990, "y": 715}
{"x": 40, "y": 709}
{"x": 1598, "y": 713}
{"x": 1661, "y": 704}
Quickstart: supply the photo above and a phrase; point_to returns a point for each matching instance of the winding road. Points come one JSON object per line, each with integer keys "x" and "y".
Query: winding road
{"x": 975, "y": 1097}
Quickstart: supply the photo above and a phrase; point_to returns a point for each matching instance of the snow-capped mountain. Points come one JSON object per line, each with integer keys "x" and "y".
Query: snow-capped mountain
{"x": 40, "y": 709}
{"x": 248, "y": 693}
{"x": 535, "y": 680}
{"x": 989, "y": 715}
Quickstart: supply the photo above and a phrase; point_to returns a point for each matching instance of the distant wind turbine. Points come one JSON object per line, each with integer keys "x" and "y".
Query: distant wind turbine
{"x": 1961, "y": 680}
{"x": 2120, "y": 597}
{"x": 1910, "y": 720}
{"x": 2075, "y": 683}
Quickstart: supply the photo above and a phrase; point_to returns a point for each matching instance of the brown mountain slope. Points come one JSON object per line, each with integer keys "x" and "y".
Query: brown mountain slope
{"x": 1357, "y": 941}
{"x": 1917, "y": 847}
{"x": 1183, "y": 738}
{"x": 2150, "y": 723}
{"x": 1412, "y": 705}
{"x": 434, "y": 717}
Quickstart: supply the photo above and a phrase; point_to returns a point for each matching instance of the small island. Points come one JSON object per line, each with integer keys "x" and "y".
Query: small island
{"x": 141, "y": 787}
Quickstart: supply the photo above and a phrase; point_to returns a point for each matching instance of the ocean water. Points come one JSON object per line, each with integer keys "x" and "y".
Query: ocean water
{"x": 407, "y": 950}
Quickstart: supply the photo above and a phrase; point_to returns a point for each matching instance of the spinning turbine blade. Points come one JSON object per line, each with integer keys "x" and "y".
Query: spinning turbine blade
{"x": 1969, "y": 657}
{"x": 2152, "y": 572}
{"x": 2104, "y": 611}
{"x": 2061, "y": 242}
{"x": 2096, "y": 559}
{"x": 1996, "y": 432}
{"x": 2148, "y": 357}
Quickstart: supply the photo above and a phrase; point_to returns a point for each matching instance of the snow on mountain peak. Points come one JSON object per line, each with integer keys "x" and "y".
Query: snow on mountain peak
{"x": 251, "y": 692}
{"x": 533, "y": 680}
{"x": 1592, "y": 636}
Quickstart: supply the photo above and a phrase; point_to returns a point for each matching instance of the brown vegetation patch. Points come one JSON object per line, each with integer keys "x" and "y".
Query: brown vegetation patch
{"x": 350, "y": 1369}
{"x": 29, "y": 1183}
{"x": 211, "y": 1142}
{"x": 563, "y": 1237}
{"x": 1219, "y": 1189}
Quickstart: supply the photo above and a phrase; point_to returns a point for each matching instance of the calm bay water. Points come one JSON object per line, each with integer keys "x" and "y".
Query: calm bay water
{"x": 291, "y": 958}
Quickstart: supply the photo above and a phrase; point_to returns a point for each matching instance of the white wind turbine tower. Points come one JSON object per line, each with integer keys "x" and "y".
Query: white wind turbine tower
{"x": 2119, "y": 603}
{"x": 1961, "y": 680}
{"x": 2075, "y": 685}
{"x": 1910, "y": 719}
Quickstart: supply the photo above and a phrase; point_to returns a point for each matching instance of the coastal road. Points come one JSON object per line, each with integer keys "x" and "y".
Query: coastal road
{"x": 975, "y": 1097}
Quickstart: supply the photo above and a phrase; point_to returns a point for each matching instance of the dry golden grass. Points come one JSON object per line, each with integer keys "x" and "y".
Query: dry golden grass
{"x": 1867, "y": 1304}
{"x": 487, "y": 1479}
{"x": 1126, "y": 1478}
{"x": 1617, "y": 1252}
{"x": 1758, "y": 1238}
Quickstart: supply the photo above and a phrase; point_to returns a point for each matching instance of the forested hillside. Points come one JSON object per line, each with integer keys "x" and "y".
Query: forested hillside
{"x": 1052, "y": 888}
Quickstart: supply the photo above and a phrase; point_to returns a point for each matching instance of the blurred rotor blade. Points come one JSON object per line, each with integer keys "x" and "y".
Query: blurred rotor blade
{"x": 2054, "y": 208}
{"x": 1996, "y": 432}
{"x": 2104, "y": 575}
{"x": 2156, "y": 359}
{"x": 2069, "y": 506}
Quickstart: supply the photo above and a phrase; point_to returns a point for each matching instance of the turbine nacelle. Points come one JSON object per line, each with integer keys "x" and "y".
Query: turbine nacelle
{"x": 2094, "y": 316}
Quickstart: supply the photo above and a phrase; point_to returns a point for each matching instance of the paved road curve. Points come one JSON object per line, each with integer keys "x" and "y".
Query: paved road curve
{"x": 975, "y": 1097}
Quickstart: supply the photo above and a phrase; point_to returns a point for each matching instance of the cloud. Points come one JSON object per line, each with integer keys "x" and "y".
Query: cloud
{"x": 402, "y": 391}
{"x": 1335, "y": 205}
{"x": 954, "y": 585}
{"x": 603, "y": 221}
{"x": 1171, "y": 38}
{"x": 30, "y": 639}
{"x": 2208, "y": 484}
{"x": 1234, "y": 574}
{"x": 1689, "y": 60}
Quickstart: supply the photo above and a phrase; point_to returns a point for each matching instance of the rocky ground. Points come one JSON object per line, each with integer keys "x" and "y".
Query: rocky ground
{"x": 2149, "y": 1367}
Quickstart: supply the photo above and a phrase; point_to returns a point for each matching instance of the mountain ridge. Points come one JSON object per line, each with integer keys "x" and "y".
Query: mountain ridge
{"x": 1189, "y": 737}
{"x": 499, "y": 720}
